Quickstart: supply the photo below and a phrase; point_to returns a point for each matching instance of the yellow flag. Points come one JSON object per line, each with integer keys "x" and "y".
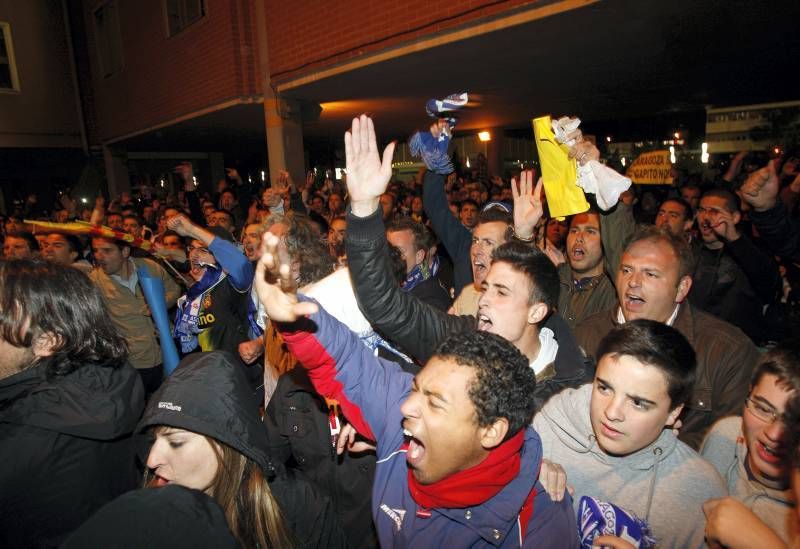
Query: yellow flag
{"x": 559, "y": 172}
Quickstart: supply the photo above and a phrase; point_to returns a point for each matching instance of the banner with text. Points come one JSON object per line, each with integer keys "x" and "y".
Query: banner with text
{"x": 651, "y": 168}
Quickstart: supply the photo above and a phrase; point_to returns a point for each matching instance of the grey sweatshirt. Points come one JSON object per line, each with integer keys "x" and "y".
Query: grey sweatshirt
{"x": 725, "y": 449}
{"x": 665, "y": 483}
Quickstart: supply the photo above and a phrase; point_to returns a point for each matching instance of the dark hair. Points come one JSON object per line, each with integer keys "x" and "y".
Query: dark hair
{"x": 792, "y": 420}
{"x": 417, "y": 231}
{"x": 170, "y": 232}
{"x": 731, "y": 200}
{"x": 658, "y": 345}
{"x": 72, "y": 241}
{"x": 491, "y": 215}
{"x": 687, "y": 208}
{"x": 224, "y": 211}
{"x": 134, "y": 217}
{"x": 33, "y": 244}
{"x": 504, "y": 381}
{"x": 468, "y": 201}
{"x": 120, "y": 244}
{"x": 682, "y": 249}
{"x": 533, "y": 263}
{"x": 304, "y": 245}
{"x": 782, "y": 361}
{"x": 34, "y": 292}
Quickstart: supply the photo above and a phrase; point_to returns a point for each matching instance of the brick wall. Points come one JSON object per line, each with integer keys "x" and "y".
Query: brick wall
{"x": 213, "y": 60}
{"x": 306, "y": 35}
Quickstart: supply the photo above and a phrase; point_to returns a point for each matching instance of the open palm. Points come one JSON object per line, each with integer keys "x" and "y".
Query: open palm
{"x": 367, "y": 174}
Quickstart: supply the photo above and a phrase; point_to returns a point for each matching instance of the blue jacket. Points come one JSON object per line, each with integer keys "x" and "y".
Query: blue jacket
{"x": 370, "y": 391}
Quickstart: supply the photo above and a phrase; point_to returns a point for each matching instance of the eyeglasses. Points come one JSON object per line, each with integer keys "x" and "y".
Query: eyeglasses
{"x": 763, "y": 412}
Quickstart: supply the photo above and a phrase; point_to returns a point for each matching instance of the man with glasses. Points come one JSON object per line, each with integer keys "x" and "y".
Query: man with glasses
{"x": 750, "y": 452}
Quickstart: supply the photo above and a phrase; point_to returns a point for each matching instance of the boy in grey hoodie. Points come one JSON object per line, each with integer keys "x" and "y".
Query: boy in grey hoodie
{"x": 614, "y": 437}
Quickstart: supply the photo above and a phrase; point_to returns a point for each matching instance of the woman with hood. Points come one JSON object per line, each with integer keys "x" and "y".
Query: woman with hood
{"x": 208, "y": 436}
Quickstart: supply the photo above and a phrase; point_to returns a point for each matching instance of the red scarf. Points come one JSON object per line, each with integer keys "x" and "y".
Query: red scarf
{"x": 475, "y": 485}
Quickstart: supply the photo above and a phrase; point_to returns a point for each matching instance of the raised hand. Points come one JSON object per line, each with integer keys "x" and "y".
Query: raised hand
{"x": 275, "y": 287}
{"x": 528, "y": 207}
{"x": 233, "y": 173}
{"x": 181, "y": 225}
{"x": 761, "y": 187}
{"x": 724, "y": 225}
{"x": 186, "y": 171}
{"x": 367, "y": 174}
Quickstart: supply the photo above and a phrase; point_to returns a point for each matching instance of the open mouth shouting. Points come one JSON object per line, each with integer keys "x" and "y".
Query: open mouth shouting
{"x": 770, "y": 453}
{"x": 633, "y": 302}
{"x": 416, "y": 449}
{"x": 577, "y": 253}
{"x": 484, "y": 322}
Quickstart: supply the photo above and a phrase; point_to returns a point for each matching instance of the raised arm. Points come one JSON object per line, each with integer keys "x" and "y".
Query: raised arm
{"x": 778, "y": 230}
{"x": 339, "y": 365}
{"x": 413, "y": 325}
{"x": 402, "y": 318}
{"x": 230, "y": 258}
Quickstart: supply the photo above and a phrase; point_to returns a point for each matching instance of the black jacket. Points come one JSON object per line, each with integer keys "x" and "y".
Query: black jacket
{"x": 433, "y": 292}
{"x": 172, "y": 517}
{"x": 779, "y": 231}
{"x": 209, "y": 394}
{"x": 734, "y": 283}
{"x": 65, "y": 449}
{"x": 297, "y": 423}
{"x": 419, "y": 328}
{"x": 457, "y": 239}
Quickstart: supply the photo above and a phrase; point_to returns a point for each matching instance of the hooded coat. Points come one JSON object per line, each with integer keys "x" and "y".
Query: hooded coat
{"x": 209, "y": 394}
{"x": 66, "y": 449}
{"x": 157, "y": 518}
{"x": 664, "y": 483}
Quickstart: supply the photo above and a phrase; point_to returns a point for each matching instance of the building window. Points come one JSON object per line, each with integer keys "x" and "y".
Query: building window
{"x": 182, "y": 13}
{"x": 109, "y": 40}
{"x": 9, "y": 81}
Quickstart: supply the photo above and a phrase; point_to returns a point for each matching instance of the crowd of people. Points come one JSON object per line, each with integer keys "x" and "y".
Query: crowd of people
{"x": 375, "y": 362}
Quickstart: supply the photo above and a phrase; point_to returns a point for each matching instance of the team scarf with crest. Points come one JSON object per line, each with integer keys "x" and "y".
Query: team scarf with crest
{"x": 188, "y": 314}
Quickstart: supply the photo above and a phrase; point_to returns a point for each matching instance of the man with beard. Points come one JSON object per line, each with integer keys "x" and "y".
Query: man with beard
{"x": 734, "y": 279}
{"x": 69, "y": 403}
{"x": 594, "y": 243}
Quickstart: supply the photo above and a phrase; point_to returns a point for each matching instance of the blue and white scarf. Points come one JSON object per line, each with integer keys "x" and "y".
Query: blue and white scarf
{"x": 188, "y": 314}
{"x": 420, "y": 273}
{"x": 600, "y": 518}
